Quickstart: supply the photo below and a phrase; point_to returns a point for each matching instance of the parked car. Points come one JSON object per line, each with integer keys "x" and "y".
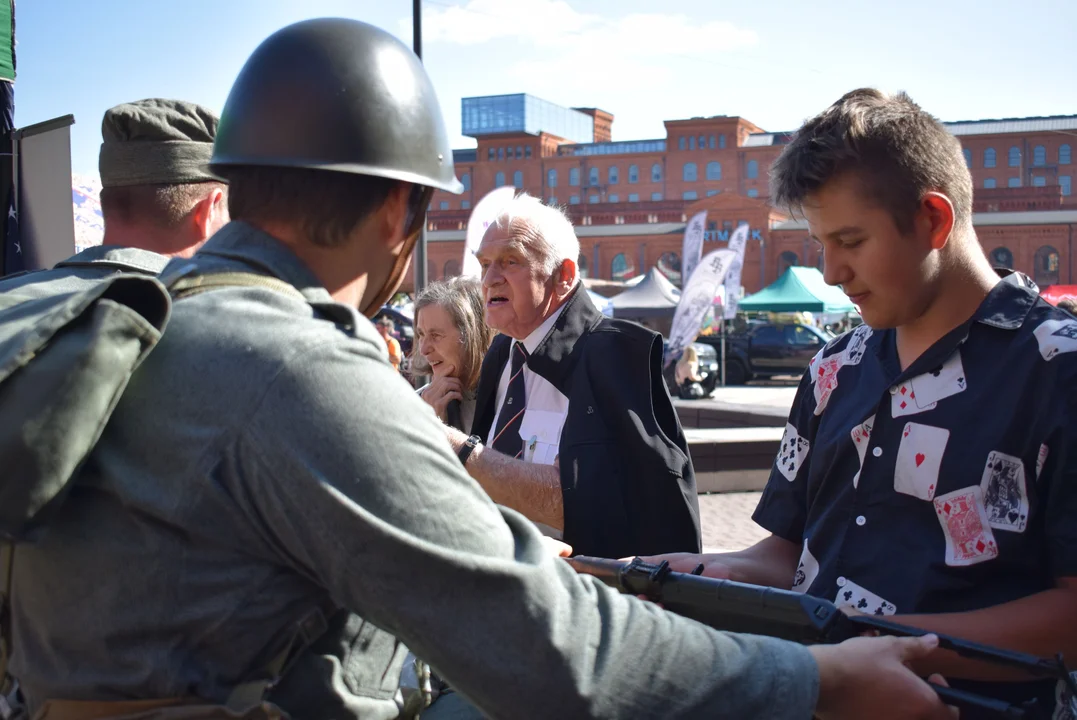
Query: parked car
{"x": 708, "y": 370}
{"x": 765, "y": 349}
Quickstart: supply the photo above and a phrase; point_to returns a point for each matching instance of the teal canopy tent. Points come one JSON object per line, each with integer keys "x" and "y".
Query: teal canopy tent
{"x": 800, "y": 289}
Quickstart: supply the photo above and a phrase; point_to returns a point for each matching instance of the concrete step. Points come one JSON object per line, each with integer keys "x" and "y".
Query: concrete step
{"x": 733, "y": 459}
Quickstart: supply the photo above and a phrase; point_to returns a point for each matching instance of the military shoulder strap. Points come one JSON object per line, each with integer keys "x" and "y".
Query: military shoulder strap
{"x": 194, "y": 285}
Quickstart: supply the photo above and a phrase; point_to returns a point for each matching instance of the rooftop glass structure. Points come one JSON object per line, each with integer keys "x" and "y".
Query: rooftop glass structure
{"x": 500, "y": 114}
{"x": 614, "y": 148}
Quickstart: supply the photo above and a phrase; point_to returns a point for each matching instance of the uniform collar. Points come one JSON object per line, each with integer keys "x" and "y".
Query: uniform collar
{"x": 123, "y": 258}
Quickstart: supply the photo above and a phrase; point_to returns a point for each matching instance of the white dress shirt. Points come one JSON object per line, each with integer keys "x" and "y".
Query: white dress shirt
{"x": 547, "y": 408}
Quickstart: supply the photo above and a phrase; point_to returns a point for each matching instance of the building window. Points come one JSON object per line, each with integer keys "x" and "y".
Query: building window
{"x": 689, "y": 195}
{"x": 551, "y": 178}
{"x": 491, "y": 154}
{"x": 692, "y": 143}
{"x": 581, "y": 265}
{"x": 787, "y": 260}
{"x": 1039, "y": 181}
{"x": 443, "y": 205}
{"x": 574, "y": 200}
{"x": 1015, "y": 156}
{"x": 714, "y": 170}
{"x": 527, "y": 151}
{"x": 1064, "y": 155}
{"x": 518, "y": 178}
{"x": 989, "y": 157}
{"x": 989, "y": 184}
{"x": 499, "y": 179}
{"x": 712, "y": 193}
{"x": 552, "y": 201}
{"x": 574, "y": 177}
{"x": 519, "y": 151}
{"x": 633, "y": 197}
{"x": 656, "y": 173}
{"x": 622, "y": 267}
{"x": 633, "y": 174}
{"x": 753, "y": 193}
{"x": 713, "y": 143}
{"x": 1039, "y": 156}
{"x": 1066, "y": 183}
{"x": 1013, "y": 182}
{"x": 1047, "y": 265}
{"x": 510, "y": 154}
{"x": 592, "y": 199}
{"x": 592, "y": 177}
{"x": 670, "y": 266}
{"x": 753, "y": 170}
{"x": 465, "y": 204}
{"x": 681, "y": 142}
{"x": 452, "y": 268}
{"x": 612, "y": 175}
{"x": 702, "y": 142}
{"x": 968, "y": 157}
{"x": 501, "y": 153}
{"x": 721, "y": 142}
{"x": 613, "y": 198}
{"x": 656, "y": 196}
{"x": 465, "y": 180}
{"x": 690, "y": 173}
{"x": 1002, "y": 257}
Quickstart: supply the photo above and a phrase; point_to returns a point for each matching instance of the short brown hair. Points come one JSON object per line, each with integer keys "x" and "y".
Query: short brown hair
{"x": 461, "y": 297}
{"x": 899, "y": 151}
{"x": 164, "y": 206}
{"x": 326, "y": 205}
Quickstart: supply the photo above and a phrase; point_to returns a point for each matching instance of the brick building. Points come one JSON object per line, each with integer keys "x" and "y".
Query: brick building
{"x": 629, "y": 200}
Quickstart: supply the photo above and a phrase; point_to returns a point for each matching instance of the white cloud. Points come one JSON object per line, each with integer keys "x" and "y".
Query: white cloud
{"x": 480, "y": 21}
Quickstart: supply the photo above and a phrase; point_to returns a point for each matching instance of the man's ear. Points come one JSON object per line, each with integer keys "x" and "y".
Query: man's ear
{"x": 935, "y": 219}
{"x": 209, "y": 214}
{"x": 567, "y": 275}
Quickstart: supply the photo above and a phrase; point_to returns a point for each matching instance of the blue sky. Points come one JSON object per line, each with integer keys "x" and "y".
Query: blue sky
{"x": 774, "y": 63}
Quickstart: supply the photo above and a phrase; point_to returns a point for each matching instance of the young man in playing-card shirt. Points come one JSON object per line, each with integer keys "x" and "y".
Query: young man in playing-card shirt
{"x": 929, "y": 465}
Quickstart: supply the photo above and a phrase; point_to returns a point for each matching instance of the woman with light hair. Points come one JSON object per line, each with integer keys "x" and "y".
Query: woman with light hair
{"x": 451, "y": 339}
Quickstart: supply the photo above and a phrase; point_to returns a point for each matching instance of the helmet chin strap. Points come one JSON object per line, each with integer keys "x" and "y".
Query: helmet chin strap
{"x": 396, "y": 275}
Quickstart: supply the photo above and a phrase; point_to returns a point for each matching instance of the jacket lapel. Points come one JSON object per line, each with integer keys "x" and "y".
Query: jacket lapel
{"x": 557, "y": 354}
{"x": 486, "y": 397}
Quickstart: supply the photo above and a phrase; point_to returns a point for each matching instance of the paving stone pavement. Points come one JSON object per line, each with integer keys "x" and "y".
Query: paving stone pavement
{"x": 727, "y": 523}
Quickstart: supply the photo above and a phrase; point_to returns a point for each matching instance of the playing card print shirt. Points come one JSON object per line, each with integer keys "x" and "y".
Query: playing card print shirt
{"x": 949, "y": 486}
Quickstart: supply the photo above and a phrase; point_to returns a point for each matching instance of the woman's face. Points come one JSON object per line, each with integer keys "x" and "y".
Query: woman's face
{"x": 439, "y": 341}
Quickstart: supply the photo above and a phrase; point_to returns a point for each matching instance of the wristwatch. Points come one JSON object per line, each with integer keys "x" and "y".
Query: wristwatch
{"x": 469, "y": 446}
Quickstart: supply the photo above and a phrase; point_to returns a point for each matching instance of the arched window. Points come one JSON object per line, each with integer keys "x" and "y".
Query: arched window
{"x": 989, "y": 157}
{"x": 510, "y": 153}
{"x": 518, "y": 179}
{"x": 690, "y": 173}
{"x": 721, "y": 142}
{"x": 519, "y": 151}
{"x": 1039, "y": 156}
{"x": 592, "y": 177}
{"x": 621, "y": 267}
{"x": 499, "y": 179}
{"x": 551, "y": 178}
{"x": 465, "y": 180}
{"x": 787, "y": 260}
{"x": 670, "y": 266}
{"x": 656, "y": 172}
{"x": 581, "y": 264}
{"x": 692, "y": 143}
{"x": 968, "y": 157}
{"x": 1047, "y": 266}
{"x": 431, "y": 270}
{"x": 574, "y": 176}
{"x": 714, "y": 170}
{"x": 753, "y": 169}
{"x": 613, "y": 175}
{"x": 713, "y": 144}
{"x": 452, "y": 268}
{"x": 1002, "y": 257}
{"x": 501, "y": 153}
{"x": 633, "y": 174}
{"x": 1064, "y": 155}
{"x": 1015, "y": 156}
{"x": 702, "y": 142}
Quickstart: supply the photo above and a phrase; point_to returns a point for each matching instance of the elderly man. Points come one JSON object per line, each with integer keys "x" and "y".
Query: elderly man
{"x": 158, "y": 198}
{"x": 581, "y": 434}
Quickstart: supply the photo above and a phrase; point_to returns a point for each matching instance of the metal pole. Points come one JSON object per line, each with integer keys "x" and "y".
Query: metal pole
{"x": 422, "y": 278}
{"x": 722, "y": 326}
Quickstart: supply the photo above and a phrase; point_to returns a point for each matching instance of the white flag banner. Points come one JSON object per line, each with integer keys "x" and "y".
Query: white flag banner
{"x": 693, "y": 245}
{"x": 482, "y": 216}
{"x": 697, "y": 298}
{"x": 736, "y": 245}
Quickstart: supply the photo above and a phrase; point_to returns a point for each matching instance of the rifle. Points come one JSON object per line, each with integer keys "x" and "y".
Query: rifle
{"x": 739, "y": 607}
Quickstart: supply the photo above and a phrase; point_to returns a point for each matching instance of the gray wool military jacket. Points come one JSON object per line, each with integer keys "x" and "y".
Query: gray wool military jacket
{"x": 266, "y": 460}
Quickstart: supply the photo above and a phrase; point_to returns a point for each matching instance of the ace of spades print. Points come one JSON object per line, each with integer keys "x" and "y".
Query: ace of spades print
{"x": 792, "y": 453}
{"x": 1005, "y": 492}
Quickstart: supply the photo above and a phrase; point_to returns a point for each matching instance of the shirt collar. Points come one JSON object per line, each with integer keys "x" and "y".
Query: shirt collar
{"x": 1009, "y": 302}
{"x": 532, "y": 341}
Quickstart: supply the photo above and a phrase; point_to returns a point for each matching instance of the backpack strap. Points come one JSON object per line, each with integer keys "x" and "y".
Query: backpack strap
{"x": 184, "y": 287}
{"x": 7, "y": 557}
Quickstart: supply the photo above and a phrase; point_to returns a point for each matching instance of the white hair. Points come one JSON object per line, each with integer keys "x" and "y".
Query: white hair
{"x": 544, "y": 229}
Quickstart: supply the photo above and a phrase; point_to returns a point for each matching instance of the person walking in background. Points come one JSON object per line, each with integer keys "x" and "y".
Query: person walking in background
{"x": 396, "y": 355}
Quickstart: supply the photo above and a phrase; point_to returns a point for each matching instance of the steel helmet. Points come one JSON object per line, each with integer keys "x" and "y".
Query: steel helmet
{"x": 338, "y": 95}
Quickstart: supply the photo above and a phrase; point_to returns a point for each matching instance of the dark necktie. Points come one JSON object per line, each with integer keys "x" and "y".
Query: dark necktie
{"x": 507, "y": 438}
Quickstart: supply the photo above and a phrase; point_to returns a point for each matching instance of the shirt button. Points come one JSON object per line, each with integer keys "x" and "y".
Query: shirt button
{"x": 841, "y": 582}
{"x": 877, "y": 452}
{"x": 893, "y": 390}
{"x": 861, "y": 520}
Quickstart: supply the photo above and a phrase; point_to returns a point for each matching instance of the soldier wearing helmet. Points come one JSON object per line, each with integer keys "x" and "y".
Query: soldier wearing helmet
{"x": 268, "y": 484}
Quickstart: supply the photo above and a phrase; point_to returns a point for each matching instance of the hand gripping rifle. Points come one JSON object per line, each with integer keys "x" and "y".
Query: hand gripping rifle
{"x": 738, "y": 607}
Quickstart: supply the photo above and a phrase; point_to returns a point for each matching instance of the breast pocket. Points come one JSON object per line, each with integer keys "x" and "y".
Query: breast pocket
{"x": 541, "y": 433}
